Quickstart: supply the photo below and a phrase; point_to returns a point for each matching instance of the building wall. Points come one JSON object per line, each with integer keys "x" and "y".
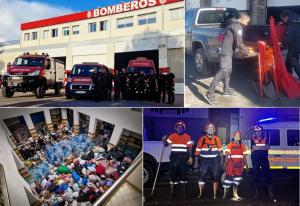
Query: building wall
{"x": 121, "y": 118}
{"x": 163, "y": 25}
{"x": 15, "y": 183}
{"x": 165, "y": 35}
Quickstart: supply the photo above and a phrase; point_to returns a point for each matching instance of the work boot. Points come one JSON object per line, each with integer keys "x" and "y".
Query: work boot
{"x": 271, "y": 194}
{"x": 211, "y": 99}
{"x": 201, "y": 188}
{"x": 229, "y": 92}
{"x": 172, "y": 191}
{"x": 184, "y": 190}
{"x": 235, "y": 193}
{"x": 225, "y": 193}
{"x": 215, "y": 187}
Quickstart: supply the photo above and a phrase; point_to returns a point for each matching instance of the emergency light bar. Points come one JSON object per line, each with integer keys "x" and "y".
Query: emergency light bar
{"x": 267, "y": 119}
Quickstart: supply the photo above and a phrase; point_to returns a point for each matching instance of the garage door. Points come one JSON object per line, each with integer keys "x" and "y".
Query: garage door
{"x": 102, "y": 59}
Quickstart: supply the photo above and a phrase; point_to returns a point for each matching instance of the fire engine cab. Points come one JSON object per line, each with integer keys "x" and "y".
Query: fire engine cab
{"x": 79, "y": 81}
{"x": 35, "y": 73}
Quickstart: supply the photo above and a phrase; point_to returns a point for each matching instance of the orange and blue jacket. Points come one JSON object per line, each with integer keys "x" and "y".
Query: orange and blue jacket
{"x": 236, "y": 151}
{"x": 209, "y": 148}
{"x": 180, "y": 143}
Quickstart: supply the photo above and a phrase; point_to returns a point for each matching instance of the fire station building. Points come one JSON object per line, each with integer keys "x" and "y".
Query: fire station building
{"x": 111, "y": 35}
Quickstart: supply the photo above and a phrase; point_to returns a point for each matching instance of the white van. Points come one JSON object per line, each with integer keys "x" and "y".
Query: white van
{"x": 283, "y": 136}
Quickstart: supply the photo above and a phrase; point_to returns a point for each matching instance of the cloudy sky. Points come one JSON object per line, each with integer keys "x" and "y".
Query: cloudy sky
{"x": 15, "y": 12}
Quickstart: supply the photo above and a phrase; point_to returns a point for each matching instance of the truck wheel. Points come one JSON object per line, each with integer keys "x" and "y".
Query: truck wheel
{"x": 6, "y": 92}
{"x": 148, "y": 173}
{"x": 57, "y": 89}
{"x": 200, "y": 61}
{"x": 40, "y": 91}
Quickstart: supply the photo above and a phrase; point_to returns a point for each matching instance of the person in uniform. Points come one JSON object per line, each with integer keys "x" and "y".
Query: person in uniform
{"x": 291, "y": 40}
{"x": 110, "y": 77}
{"x": 141, "y": 84}
{"x": 259, "y": 158}
{"x": 102, "y": 84}
{"x": 234, "y": 165}
{"x": 117, "y": 86}
{"x": 181, "y": 156}
{"x": 233, "y": 41}
{"x": 209, "y": 150}
{"x": 123, "y": 79}
{"x": 95, "y": 77}
{"x": 132, "y": 85}
{"x": 170, "y": 78}
{"x": 153, "y": 86}
{"x": 162, "y": 87}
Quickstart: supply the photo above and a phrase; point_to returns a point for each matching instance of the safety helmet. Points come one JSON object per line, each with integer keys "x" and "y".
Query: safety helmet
{"x": 237, "y": 132}
{"x": 180, "y": 123}
{"x": 258, "y": 128}
{"x": 210, "y": 125}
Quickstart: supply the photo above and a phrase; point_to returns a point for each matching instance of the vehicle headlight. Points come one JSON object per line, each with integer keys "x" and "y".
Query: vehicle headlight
{"x": 35, "y": 73}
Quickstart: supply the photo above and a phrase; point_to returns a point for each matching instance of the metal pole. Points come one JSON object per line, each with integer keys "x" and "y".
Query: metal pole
{"x": 161, "y": 156}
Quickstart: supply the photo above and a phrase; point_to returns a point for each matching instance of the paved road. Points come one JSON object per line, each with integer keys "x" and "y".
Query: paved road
{"x": 286, "y": 188}
{"x": 242, "y": 81}
{"x": 51, "y": 100}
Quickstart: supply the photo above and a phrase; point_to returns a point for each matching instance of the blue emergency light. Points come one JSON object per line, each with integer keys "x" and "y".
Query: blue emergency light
{"x": 267, "y": 119}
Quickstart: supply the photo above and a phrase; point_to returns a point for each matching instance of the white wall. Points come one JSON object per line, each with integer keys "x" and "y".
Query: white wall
{"x": 15, "y": 182}
{"x": 122, "y": 118}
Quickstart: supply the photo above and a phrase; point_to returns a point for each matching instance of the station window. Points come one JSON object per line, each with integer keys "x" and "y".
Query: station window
{"x": 75, "y": 30}
{"x": 45, "y": 34}
{"x": 66, "y": 31}
{"x": 273, "y": 136}
{"x": 147, "y": 19}
{"x": 26, "y": 37}
{"x": 176, "y": 14}
{"x": 103, "y": 25}
{"x": 293, "y": 137}
{"x": 54, "y": 33}
{"x": 34, "y": 35}
{"x": 93, "y": 27}
{"x": 124, "y": 22}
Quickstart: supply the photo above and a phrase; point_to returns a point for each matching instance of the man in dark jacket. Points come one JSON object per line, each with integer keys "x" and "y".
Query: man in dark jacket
{"x": 291, "y": 40}
{"x": 123, "y": 78}
{"x": 110, "y": 77}
{"x": 141, "y": 84}
{"x": 117, "y": 85}
{"x": 152, "y": 86}
{"x": 170, "y": 87}
{"x": 162, "y": 87}
{"x": 95, "y": 79}
{"x": 233, "y": 42}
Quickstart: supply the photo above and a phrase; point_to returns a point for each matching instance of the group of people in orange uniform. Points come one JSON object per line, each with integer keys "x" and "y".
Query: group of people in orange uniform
{"x": 209, "y": 155}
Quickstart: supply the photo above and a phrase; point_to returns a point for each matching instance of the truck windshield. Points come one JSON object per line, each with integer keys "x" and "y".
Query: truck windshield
{"x": 84, "y": 70}
{"x": 138, "y": 70}
{"x": 29, "y": 61}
